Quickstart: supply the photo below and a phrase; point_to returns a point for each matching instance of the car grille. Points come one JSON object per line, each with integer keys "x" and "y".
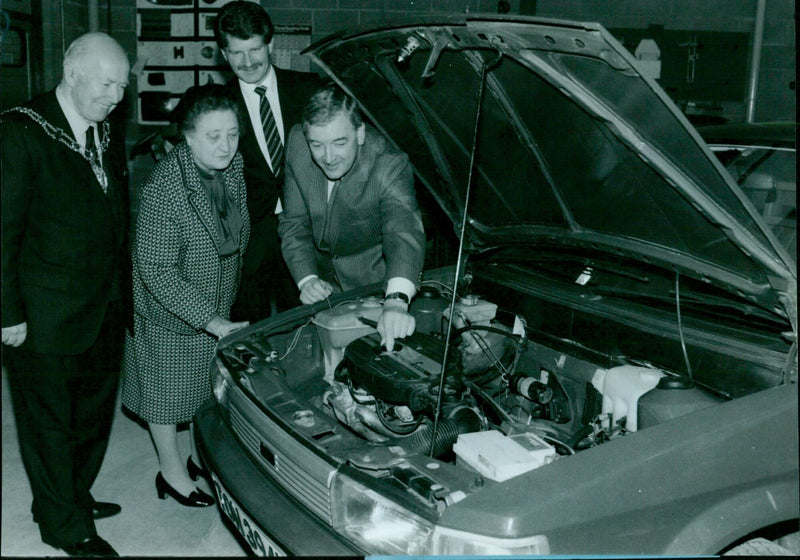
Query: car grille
{"x": 299, "y": 471}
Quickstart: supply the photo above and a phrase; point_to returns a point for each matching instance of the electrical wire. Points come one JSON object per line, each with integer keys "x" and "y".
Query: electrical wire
{"x": 486, "y": 349}
{"x": 295, "y": 339}
{"x": 447, "y": 288}
{"x": 358, "y": 398}
{"x": 487, "y": 328}
{"x": 505, "y": 371}
{"x": 557, "y": 443}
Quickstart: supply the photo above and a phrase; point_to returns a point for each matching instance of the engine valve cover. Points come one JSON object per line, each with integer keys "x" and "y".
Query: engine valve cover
{"x": 399, "y": 376}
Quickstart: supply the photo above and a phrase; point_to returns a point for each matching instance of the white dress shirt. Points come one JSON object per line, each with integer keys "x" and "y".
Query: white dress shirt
{"x": 77, "y": 123}
{"x": 253, "y": 102}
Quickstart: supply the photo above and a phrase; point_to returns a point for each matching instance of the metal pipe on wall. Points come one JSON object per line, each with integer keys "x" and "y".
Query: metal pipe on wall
{"x": 94, "y": 17}
{"x": 63, "y": 33}
{"x": 755, "y": 60}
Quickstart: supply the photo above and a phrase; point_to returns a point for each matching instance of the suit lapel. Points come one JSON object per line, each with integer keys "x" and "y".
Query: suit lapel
{"x": 248, "y": 125}
{"x": 52, "y": 112}
{"x": 196, "y": 193}
{"x": 248, "y": 145}
{"x": 346, "y": 190}
{"x": 293, "y": 96}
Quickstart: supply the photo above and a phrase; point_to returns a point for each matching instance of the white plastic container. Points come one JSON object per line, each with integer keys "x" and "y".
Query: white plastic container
{"x": 475, "y": 310}
{"x": 500, "y": 457}
{"x": 341, "y": 325}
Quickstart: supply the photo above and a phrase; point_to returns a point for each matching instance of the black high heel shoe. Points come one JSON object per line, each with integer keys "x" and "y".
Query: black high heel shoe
{"x": 195, "y": 471}
{"x": 198, "y": 498}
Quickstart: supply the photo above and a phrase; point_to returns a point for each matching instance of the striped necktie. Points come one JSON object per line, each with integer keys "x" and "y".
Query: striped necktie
{"x": 271, "y": 135}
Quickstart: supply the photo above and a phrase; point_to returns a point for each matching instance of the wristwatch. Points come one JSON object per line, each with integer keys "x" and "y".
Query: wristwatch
{"x": 397, "y": 295}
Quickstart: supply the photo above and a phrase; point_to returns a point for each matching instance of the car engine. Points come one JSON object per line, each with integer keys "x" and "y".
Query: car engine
{"x": 498, "y": 402}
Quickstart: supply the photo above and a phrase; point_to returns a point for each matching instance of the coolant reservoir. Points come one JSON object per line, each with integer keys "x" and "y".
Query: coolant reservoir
{"x": 474, "y": 310}
{"x": 621, "y": 388}
{"x": 427, "y": 310}
{"x": 341, "y": 325}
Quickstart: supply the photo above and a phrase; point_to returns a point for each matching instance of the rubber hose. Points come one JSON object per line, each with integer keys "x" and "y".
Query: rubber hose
{"x": 464, "y": 421}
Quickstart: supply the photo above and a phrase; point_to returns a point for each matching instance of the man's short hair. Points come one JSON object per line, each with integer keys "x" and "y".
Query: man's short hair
{"x": 82, "y": 52}
{"x": 242, "y": 19}
{"x": 77, "y": 52}
{"x": 327, "y": 102}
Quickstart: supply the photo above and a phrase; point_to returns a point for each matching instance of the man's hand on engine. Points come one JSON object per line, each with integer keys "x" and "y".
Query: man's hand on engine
{"x": 395, "y": 322}
{"x": 315, "y": 290}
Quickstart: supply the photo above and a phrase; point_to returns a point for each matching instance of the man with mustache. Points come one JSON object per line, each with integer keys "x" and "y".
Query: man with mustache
{"x": 244, "y": 33}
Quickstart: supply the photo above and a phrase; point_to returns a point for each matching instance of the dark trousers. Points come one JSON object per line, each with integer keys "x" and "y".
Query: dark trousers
{"x": 64, "y": 407}
{"x": 266, "y": 284}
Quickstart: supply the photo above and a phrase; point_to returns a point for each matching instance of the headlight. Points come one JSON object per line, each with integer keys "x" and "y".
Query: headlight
{"x": 376, "y": 524}
{"x": 380, "y": 526}
{"x": 450, "y": 542}
{"x": 220, "y": 382}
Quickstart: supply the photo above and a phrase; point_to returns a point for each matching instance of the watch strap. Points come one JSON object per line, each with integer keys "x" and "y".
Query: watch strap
{"x": 397, "y": 295}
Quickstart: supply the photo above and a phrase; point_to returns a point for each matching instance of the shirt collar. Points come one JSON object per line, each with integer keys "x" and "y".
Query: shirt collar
{"x": 76, "y": 122}
{"x": 270, "y": 82}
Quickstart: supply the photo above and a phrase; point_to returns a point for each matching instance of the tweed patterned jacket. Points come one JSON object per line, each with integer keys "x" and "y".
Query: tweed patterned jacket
{"x": 179, "y": 280}
{"x": 369, "y": 230}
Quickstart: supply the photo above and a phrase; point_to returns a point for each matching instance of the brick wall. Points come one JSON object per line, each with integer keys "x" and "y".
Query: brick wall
{"x": 775, "y": 97}
{"x": 63, "y": 20}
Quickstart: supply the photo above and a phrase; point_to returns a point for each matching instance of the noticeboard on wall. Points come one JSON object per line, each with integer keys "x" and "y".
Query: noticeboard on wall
{"x": 176, "y": 50}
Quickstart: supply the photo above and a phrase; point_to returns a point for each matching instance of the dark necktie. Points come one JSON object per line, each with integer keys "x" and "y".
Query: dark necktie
{"x": 273, "y": 138}
{"x": 94, "y": 157}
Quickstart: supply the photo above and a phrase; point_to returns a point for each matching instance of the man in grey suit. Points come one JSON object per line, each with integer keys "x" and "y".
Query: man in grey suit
{"x": 350, "y": 216}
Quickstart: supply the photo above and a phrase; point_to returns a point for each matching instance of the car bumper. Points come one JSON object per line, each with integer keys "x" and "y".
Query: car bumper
{"x": 291, "y": 528}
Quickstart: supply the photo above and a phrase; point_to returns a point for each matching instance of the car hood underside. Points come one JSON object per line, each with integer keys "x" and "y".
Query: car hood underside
{"x": 547, "y": 133}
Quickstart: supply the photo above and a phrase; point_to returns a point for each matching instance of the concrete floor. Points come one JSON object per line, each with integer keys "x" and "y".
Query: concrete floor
{"x": 147, "y": 526}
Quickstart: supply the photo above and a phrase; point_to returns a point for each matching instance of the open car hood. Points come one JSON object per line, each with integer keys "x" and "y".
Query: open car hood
{"x": 574, "y": 147}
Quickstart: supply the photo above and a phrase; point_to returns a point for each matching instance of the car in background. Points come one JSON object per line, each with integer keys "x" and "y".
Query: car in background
{"x": 762, "y": 158}
{"x": 609, "y": 366}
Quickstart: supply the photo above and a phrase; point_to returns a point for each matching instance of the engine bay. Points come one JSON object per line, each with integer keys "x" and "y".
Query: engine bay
{"x": 477, "y": 396}
{"x": 453, "y": 408}
{"x": 499, "y": 404}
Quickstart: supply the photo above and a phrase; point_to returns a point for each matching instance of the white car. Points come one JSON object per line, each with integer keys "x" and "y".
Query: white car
{"x": 610, "y": 369}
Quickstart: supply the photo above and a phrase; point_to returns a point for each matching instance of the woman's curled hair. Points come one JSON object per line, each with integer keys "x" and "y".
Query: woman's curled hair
{"x": 199, "y": 100}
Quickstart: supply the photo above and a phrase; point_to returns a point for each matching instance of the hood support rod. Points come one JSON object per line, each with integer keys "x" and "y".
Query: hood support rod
{"x": 478, "y": 109}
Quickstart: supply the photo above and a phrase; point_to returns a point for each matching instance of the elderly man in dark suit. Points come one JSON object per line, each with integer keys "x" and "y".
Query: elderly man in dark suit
{"x": 273, "y": 99}
{"x": 65, "y": 275}
{"x": 350, "y": 215}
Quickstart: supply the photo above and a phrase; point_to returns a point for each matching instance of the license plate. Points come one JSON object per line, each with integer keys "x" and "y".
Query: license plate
{"x": 259, "y": 543}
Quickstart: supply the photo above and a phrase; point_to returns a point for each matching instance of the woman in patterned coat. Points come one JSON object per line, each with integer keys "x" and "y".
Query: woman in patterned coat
{"x": 191, "y": 232}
